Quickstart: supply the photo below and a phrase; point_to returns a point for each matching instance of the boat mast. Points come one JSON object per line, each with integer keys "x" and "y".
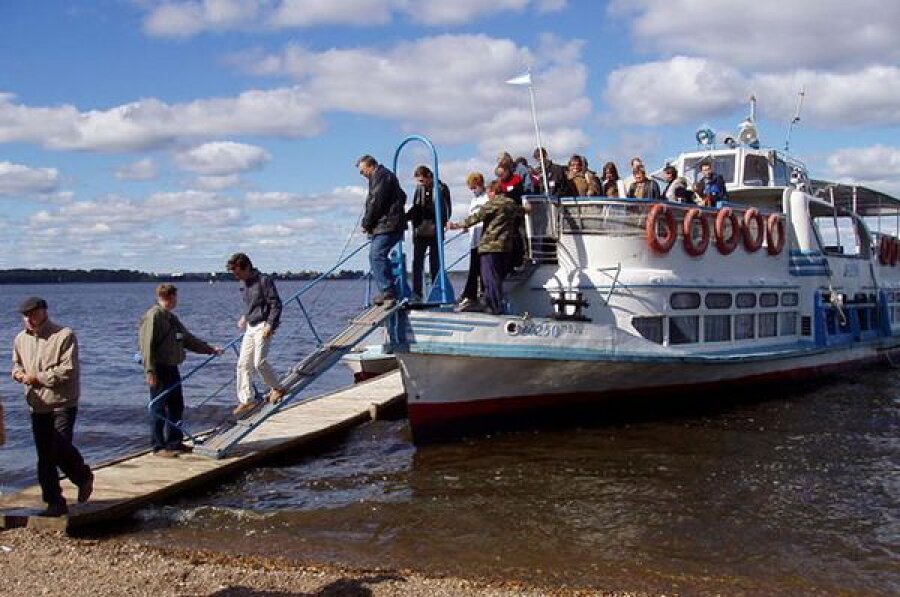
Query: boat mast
{"x": 794, "y": 120}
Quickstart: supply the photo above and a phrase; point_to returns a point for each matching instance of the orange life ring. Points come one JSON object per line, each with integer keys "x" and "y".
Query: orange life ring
{"x": 727, "y": 245}
{"x": 664, "y": 244}
{"x": 690, "y": 247}
{"x": 751, "y": 243}
{"x": 775, "y": 234}
{"x": 895, "y": 251}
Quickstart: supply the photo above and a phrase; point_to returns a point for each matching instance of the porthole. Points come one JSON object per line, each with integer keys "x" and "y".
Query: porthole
{"x": 685, "y": 300}
{"x": 718, "y": 300}
{"x": 745, "y": 300}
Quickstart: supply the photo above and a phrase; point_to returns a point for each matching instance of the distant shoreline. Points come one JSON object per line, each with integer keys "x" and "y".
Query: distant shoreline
{"x": 66, "y": 276}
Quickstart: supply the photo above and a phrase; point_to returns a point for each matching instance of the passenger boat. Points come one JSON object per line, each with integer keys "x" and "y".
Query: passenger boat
{"x": 625, "y": 298}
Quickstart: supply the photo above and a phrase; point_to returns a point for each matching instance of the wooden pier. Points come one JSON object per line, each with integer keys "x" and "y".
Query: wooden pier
{"x": 125, "y": 485}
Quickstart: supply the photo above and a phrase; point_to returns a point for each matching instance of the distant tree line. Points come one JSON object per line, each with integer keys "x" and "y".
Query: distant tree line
{"x": 63, "y": 276}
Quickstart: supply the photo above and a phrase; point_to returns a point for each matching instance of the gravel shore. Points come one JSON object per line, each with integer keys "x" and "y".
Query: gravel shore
{"x": 36, "y": 563}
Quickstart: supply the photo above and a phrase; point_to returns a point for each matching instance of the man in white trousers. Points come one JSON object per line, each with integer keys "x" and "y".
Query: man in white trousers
{"x": 260, "y": 318}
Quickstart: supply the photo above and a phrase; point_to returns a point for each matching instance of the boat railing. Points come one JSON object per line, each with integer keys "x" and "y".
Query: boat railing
{"x": 234, "y": 345}
{"x": 628, "y": 217}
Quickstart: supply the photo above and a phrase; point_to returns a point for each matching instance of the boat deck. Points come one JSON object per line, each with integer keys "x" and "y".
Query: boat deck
{"x": 125, "y": 485}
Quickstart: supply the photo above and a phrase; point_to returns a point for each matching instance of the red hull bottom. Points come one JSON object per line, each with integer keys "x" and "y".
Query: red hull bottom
{"x": 451, "y": 420}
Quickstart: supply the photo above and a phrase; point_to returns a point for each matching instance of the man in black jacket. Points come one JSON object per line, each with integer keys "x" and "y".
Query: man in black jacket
{"x": 384, "y": 221}
{"x": 557, "y": 177}
{"x": 260, "y": 317}
{"x": 423, "y": 217}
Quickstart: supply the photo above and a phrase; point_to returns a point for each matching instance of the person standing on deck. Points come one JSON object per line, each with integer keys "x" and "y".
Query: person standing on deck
{"x": 500, "y": 216}
{"x": 469, "y": 298}
{"x": 163, "y": 341}
{"x": 423, "y": 217}
{"x": 45, "y": 361}
{"x": 260, "y": 318}
{"x": 384, "y": 221}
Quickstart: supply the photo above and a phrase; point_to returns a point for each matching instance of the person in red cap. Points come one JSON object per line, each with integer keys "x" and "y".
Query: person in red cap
{"x": 45, "y": 361}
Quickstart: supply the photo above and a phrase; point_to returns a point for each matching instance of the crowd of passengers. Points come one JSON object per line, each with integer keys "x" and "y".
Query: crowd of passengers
{"x": 496, "y": 214}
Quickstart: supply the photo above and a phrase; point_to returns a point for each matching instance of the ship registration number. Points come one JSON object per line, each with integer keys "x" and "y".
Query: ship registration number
{"x": 549, "y": 330}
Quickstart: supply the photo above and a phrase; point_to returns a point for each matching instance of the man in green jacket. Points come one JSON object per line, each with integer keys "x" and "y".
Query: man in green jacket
{"x": 45, "y": 361}
{"x": 164, "y": 340}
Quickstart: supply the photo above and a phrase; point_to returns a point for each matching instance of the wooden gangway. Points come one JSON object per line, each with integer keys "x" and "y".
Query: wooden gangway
{"x": 125, "y": 485}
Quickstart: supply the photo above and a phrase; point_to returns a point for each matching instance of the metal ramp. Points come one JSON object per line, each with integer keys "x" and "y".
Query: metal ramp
{"x": 230, "y": 432}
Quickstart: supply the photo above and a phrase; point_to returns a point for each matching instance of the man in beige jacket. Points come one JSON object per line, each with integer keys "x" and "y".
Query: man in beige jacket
{"x": 45, "y": 361}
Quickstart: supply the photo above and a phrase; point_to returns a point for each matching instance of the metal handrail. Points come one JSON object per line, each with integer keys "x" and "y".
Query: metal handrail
{"x": 233, "y": 345}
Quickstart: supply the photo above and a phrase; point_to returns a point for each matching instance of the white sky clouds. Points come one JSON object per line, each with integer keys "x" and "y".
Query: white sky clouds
{"x": 188, "y": 18}
{"x": 144, "y": 169}
{"x": 222, "y": 158}
{"x": 769, "y": 34}
{"x": 18, "y": 180}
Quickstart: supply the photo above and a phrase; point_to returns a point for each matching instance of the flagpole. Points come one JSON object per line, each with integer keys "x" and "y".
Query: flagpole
{"x": 537, "y": 133}
{"x": 527, "y": 80}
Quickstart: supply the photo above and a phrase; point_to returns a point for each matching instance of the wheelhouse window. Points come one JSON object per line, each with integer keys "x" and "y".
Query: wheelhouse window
{"x": 782, "y": 173}
{"x": 723, "y": 164}
{"x": 756, "y": 171}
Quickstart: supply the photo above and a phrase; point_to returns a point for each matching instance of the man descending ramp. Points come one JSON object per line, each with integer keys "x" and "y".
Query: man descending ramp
{"x": 301, "y": 375}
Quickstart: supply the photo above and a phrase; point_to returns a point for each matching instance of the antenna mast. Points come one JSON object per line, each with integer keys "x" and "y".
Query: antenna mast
{"x": 794, "y": 120}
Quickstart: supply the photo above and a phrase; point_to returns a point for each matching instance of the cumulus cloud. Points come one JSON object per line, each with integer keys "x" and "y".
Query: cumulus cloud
{"x": 699, "y": 88}
{"x": 877, "y": 166}
{"x": 340, "y": 201}
{"x": 222, "y": 158}
{"x": 151, "y": 123}
{"x": 144, "y": 169}
{"x": 768, "y": 34}
{"x": 16, "y": 179}
{"x": 451, "y": 86}
{"x": 186, "y": 18}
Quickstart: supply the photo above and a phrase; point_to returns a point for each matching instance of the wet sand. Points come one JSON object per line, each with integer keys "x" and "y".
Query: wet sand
{"x": 49, "y": 563}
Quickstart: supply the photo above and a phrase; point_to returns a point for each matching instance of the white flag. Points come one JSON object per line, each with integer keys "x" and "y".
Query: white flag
{"x": 521, "y": 79}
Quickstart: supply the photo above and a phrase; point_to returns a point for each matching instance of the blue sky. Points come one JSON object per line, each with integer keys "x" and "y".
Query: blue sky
{"x": 163, "y": 136}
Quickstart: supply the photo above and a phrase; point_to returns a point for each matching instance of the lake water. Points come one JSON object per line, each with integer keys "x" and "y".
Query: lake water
{"x": 794, "y": 492}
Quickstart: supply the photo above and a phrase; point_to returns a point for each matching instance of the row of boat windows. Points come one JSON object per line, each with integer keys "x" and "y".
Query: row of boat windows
{"x": 689, "y": 329}
{"x": 741, "y": 300}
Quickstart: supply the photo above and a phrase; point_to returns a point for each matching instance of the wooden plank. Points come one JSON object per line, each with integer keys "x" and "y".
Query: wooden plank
{"x": 126, "y": 484}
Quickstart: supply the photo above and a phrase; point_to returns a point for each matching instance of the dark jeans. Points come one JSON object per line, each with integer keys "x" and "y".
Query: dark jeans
{"x": 493, "y": 271}
{"x": 379, "y": 260}
{"x": 53, "y": 440}
{"x": 420, "y": 246}
{"x": 473, "y": 282}
{"x": 171, "y": 406}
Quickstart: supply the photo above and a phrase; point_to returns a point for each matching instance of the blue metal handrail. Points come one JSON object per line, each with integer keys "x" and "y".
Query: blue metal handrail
{"x": 442, "y": 286}
{"x": 233, "y": 345}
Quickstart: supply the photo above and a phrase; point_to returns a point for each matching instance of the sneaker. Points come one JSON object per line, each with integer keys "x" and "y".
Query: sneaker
{"x": 181, "y": 448}
{"x": 166, "y": 453}
{"x": 86, "y": 489}
{"x": 244, "y": 408}
{"x": 275, "y": 395}
{"x": 472, "y": 307}
{"x": 56, "y": 510}
{"x": 385, "y": 298}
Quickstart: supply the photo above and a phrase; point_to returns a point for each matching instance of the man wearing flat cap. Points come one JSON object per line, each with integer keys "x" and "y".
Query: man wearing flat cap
{"x": 45, "y": 361}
